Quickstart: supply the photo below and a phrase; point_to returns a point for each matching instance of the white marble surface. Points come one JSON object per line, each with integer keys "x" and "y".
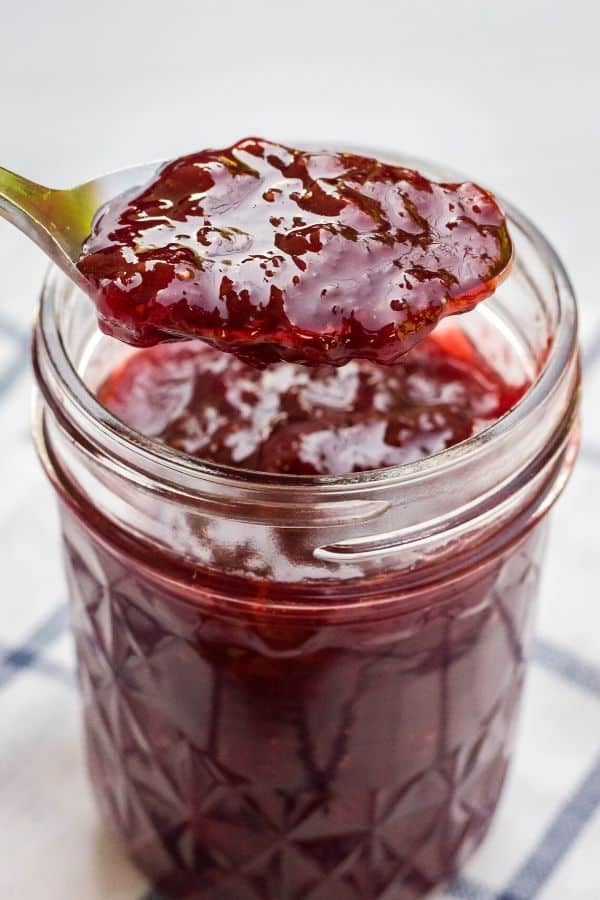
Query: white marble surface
{"x": 507, "y": 92}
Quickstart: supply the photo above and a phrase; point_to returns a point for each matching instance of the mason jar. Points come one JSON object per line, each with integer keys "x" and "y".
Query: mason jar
{"x": 307, "y": 687}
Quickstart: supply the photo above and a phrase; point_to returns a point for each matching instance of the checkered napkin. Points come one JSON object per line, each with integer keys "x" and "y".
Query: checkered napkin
{"x": 545, "y": 840}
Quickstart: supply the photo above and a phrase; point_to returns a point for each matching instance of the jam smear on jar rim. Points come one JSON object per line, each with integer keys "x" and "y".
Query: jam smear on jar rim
{"x": 296, "y": 420}
{"x": 273, "y": 253}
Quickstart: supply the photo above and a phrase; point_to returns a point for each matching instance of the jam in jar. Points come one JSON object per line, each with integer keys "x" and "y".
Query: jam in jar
{"x": 302, "y": 598}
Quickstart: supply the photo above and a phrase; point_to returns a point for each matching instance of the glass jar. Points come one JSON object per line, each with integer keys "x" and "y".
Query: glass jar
{"x": 307, "y": 687}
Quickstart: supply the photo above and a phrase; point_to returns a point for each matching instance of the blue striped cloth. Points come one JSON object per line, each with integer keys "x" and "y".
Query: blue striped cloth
{"x": 545, "y": 841}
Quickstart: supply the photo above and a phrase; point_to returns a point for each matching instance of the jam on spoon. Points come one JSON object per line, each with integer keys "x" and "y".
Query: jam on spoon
{"x": 274, "y": 253}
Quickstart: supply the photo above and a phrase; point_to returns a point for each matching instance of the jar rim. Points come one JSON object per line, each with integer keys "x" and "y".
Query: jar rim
{"x": 175, "y": 462}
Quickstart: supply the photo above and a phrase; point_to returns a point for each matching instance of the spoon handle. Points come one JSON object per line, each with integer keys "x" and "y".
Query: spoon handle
{"x": 27, "y": 205}
{"x": 19, "y": 196}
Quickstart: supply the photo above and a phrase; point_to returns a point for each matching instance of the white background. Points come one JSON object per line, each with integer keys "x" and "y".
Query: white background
{"x": 507, "y": 92}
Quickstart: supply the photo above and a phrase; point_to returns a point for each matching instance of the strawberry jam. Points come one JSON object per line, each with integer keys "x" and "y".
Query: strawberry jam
{"x": 299, "y": 688}
{"x": 246, "y": 752}
{"x": 274, "y": 253}
{"x": 310, "y": 421}
{"x": 246, "y": 747}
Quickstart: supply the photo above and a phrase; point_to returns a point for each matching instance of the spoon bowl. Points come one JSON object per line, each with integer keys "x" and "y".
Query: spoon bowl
{"x": 59, "y": 221}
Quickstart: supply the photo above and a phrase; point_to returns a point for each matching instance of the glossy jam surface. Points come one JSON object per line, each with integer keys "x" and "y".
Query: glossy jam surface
{"x": 274, "y": 253}
{"x": 309, "y": 421}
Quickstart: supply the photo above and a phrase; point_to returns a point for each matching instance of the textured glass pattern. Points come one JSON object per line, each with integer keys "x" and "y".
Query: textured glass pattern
{"x": 258, "y": 758}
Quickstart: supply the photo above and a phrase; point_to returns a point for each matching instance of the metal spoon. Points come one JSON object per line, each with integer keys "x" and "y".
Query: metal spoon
{"x": 59, "y": 221}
